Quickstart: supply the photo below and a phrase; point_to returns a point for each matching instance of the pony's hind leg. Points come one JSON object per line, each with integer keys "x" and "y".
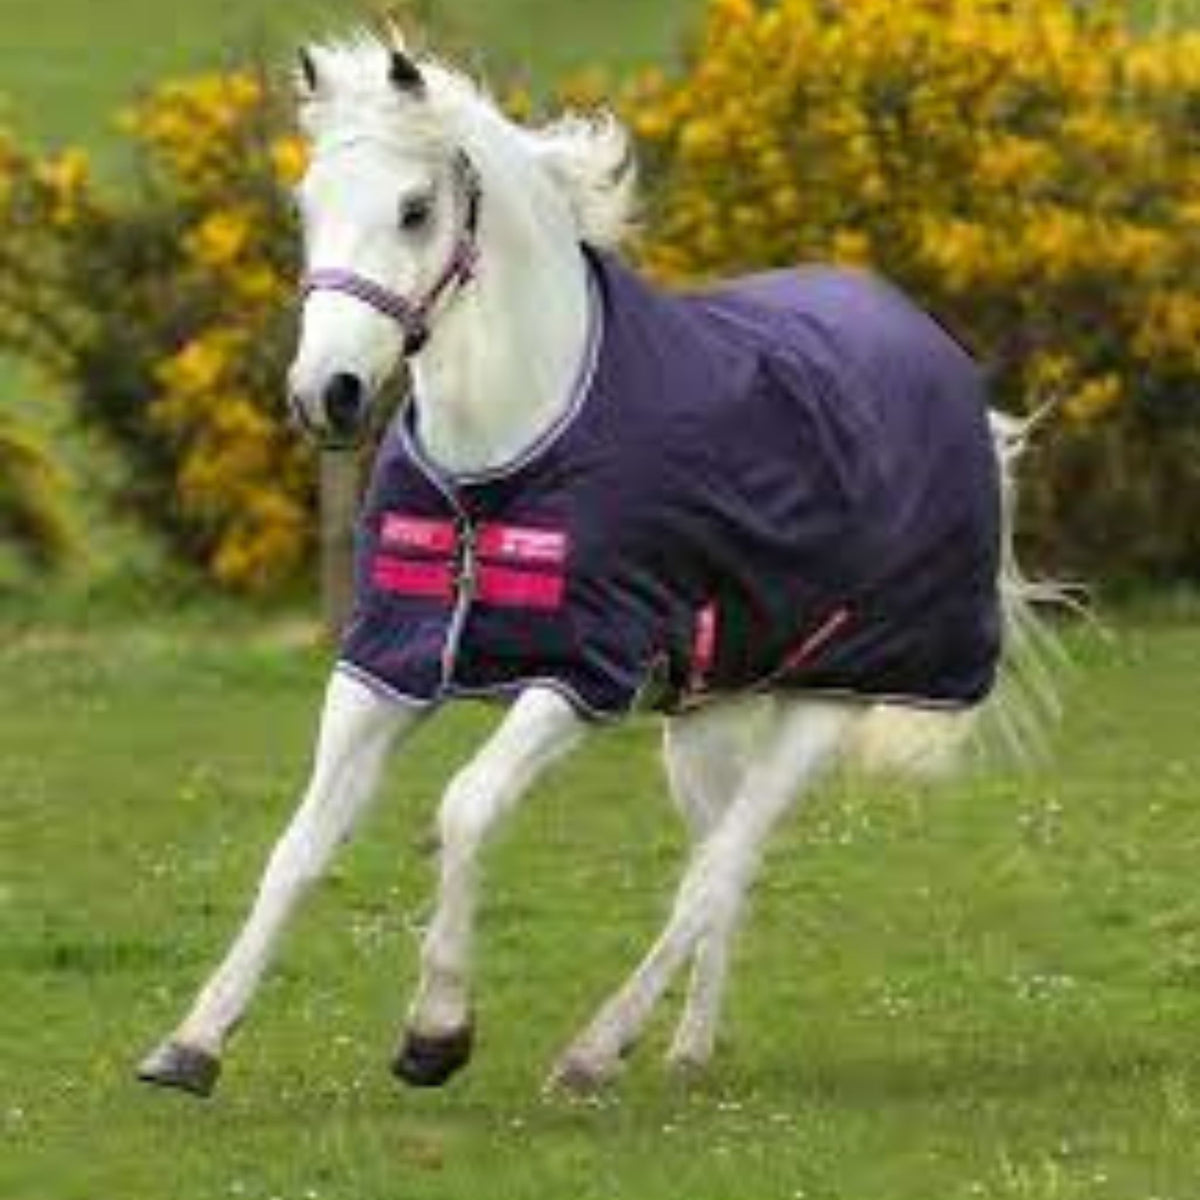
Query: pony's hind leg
{"x": 803, "y": 738}
{"x": 706, "y": 754}
{"x": 357, "y": 729}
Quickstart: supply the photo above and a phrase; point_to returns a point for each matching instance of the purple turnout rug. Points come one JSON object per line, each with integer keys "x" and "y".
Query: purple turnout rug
{"x": 785, "y": 481}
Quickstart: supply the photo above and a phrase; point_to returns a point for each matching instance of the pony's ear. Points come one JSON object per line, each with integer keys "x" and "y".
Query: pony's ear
{"x": 405, "y": 75}
{"x": 306, "y": 71}
{"x": 307, "y": 79}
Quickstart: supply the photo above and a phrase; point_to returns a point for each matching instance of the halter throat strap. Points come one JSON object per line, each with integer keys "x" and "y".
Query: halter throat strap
{"x": 413, "y": 315}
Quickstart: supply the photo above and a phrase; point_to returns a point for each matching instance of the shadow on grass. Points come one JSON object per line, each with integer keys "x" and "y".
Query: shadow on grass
{"x": 1023, "y": 1069}
{"x": 479, "y": 1098}
{"x": 102, "y": 956}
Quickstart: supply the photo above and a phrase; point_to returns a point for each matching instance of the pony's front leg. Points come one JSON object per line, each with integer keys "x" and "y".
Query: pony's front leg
{"x": 805, "y": 736}
{"x": 540, "y": 727}
{"x": 357, "y": 729}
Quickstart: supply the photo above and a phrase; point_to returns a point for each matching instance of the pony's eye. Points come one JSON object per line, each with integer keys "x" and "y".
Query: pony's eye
{"x": 415, "y": 212}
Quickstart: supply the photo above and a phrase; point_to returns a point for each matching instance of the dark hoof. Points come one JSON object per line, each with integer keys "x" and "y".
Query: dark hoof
{"x": 174, "y": 1065}
{"x": 429, "y": 1061}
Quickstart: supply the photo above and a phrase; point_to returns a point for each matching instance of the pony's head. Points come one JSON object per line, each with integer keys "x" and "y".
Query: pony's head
{"x": 410, "y": 164}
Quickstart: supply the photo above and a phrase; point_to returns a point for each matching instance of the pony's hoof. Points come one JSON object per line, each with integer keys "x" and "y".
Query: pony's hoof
{"x": 689, "y": 1059}
{"x": 689, "y": 1070}
{"x": 187, "y": 1068}
{"x": 428, "y": 1061}
{"x": 578, "y": 1077}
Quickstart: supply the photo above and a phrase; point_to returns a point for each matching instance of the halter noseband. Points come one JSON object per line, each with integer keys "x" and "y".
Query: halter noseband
{"x": 413, "y": 315}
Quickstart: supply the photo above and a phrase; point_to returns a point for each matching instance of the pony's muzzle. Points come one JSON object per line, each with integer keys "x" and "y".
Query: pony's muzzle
{"x": 333, "y": 410}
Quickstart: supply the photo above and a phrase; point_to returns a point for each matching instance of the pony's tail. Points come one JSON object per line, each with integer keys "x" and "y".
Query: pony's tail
{"x": 1011, "y": 725}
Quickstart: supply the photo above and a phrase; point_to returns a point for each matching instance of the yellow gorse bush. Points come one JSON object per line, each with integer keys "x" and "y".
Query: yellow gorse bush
{"x": 1029, "y": 168}
{"x": 971, "y": 147}
{"x": 175, "y": 313}
{"x": 195, "y": 128}
{"x": 37, "y": 527}
{"x": 240, "y": 474}
{"x": 41, "y": 200}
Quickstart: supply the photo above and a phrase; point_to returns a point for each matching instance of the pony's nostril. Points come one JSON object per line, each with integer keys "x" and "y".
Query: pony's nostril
{"x": 343, "y": 402}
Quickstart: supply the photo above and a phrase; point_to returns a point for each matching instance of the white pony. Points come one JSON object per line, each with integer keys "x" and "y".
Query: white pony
{"x": 439, "y": 231}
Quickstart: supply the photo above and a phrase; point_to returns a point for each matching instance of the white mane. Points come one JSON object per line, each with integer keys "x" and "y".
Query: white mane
{"x": 587, "y": 158}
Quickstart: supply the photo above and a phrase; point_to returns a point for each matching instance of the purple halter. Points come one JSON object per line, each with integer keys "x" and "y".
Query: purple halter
{"x": 412, "y": 315}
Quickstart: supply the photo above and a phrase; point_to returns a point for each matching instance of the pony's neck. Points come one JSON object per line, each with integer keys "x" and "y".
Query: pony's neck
{"x": 504, "y": 355}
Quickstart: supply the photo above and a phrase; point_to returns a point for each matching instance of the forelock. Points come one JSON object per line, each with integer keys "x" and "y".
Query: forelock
{"x": 356, "y": 97}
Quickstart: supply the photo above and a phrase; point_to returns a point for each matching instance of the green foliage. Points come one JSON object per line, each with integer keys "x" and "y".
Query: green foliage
{"x": 35, "y": 526}
{"x": 1027, "y": 169}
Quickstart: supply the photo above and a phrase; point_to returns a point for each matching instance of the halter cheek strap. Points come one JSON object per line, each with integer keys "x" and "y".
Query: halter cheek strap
{"x": 413, "y": 315}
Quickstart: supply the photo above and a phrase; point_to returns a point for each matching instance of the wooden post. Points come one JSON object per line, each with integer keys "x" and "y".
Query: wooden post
{"x": 338, "y": 494}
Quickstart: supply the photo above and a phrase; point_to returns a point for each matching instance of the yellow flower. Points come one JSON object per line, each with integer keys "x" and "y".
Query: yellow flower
{"x": 1048, "y": 373}
{"x": 289, "y": 158}
{"x": 1010, "y": 161}
{"x": 220, "y": 238}
{"x": 259, "y": 285}
{"x": 786, "y": 203}
{"x": 1089, "y": 402}
{"x": 700, "y": 138}
{"x": 851, "y": 247}
{"x": 586, "y": 88}
{"x": 66, "y": 177}
{"x": 1170, "y": 329}
{"x": 199, "y": 366}
{"x": 958, "y": 249}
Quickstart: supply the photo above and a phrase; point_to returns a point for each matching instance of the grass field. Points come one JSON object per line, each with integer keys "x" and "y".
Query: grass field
{"x": 65, "y": 73}
{"x": 991, "y": 990}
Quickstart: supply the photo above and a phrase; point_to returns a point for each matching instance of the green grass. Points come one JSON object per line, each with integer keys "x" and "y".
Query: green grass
{"x": 991, "y": 990}
{"x": 66, "y": 69}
